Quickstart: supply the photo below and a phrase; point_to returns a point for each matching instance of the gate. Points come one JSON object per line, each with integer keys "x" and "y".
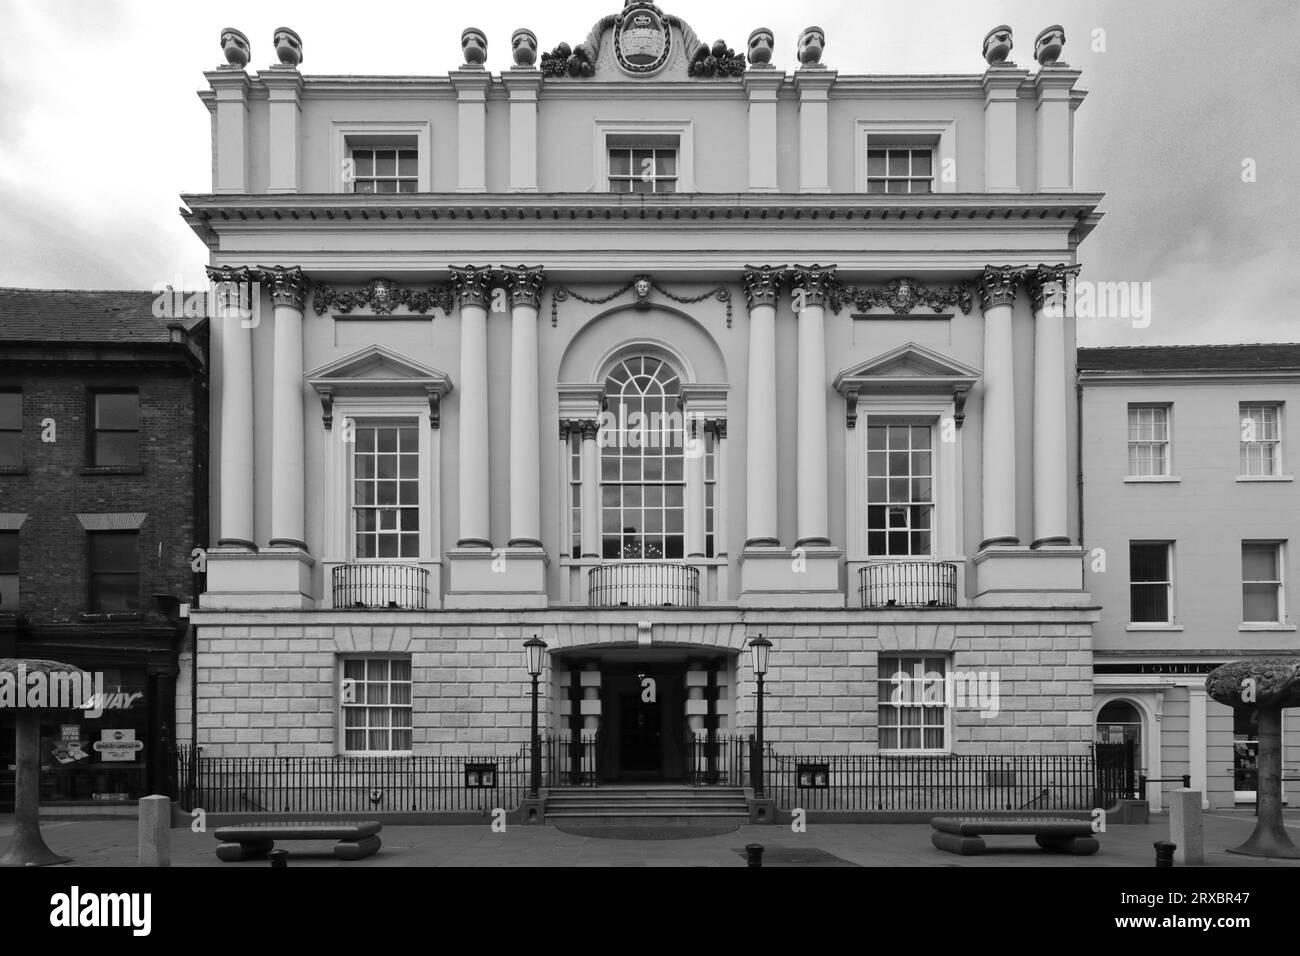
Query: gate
{"x": 1116, "y": 769}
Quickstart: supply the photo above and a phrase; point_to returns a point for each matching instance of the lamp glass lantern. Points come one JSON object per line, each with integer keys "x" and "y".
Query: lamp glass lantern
{"x": 759, "y": 647}
{"x": 534, "y": 649}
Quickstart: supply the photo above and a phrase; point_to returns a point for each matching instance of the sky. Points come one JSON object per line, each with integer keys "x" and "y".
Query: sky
{"x": 1191, "y": 126}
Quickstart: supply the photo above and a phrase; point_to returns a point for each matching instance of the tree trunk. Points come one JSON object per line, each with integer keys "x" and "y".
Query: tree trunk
{"x": 27, "y": 847}
{"x": 1270, "y": 837}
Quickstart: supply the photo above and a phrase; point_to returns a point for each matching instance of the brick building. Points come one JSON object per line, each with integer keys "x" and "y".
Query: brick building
{"x": 832, "y": 294}
{"x": 103, "y": 437}
{"x": 1192, "y": 516}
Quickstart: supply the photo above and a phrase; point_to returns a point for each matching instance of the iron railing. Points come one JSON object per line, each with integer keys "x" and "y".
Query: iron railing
{"x": 643, "y": 584}
{"x": 409, "y": 784}
{"x": 931, "y": 782}
{"x": 567, "y": 762}
{"x": 908, "y": 584}
{"x": 715, "y": 760}
{"x": 390, "y": 586}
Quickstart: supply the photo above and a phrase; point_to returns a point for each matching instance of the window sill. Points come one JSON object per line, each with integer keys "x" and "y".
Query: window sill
{"x": 1265, "y": 626}
{"x": 112, "y": 470}
{"x": 1151, "y": 479}
{"x": 110, "y": 617}
{"x": 378, "y": 753}
{"x": 1154, "y": 627}
{"x": 914, "y": 753}
{"x": 13, "y": 469}
{"x": 1265, "y": 478}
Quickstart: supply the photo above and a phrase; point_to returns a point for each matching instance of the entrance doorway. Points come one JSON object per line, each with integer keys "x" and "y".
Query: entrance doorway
{"x": 644, "y": 722}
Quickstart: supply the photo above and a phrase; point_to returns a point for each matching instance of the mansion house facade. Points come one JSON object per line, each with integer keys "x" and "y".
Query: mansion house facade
{"x": 647, "y": 347}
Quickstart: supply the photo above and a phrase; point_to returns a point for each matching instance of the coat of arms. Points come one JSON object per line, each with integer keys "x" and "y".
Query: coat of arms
{"x": 642, "y": 39}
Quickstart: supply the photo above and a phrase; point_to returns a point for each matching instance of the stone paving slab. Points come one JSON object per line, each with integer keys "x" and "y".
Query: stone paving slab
{"x": 113, "y": 843}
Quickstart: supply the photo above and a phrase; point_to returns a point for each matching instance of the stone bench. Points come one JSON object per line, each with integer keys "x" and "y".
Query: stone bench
{"x": 965, "y": 835}
{"x": 253, "y": 841}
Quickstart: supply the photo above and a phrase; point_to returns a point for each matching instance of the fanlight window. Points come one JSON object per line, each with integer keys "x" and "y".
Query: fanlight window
{"x": 642, "y": 475}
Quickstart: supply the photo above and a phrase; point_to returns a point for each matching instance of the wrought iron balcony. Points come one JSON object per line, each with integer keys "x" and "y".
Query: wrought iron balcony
{"x": 388, "y": 586}
{"x": 643, "y": 584}
{"x": 908, "y": 584}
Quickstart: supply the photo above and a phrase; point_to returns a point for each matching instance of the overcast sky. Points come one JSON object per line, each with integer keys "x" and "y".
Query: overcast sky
{"x": 102, "y": 131}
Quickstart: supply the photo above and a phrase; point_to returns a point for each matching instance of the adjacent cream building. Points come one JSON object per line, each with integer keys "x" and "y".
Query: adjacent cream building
{"x": 648, "y": 349}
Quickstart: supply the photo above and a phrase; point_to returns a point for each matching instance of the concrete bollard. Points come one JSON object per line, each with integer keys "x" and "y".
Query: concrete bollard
{"x": 754, "y": 853}
{"x": 1164, "y": 853}
{"x": 155, "y": 831}
{"x": 1187, "y": 827}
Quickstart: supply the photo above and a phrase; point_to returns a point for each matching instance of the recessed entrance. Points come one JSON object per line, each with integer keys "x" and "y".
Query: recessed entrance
{"x": 644, "y": 722}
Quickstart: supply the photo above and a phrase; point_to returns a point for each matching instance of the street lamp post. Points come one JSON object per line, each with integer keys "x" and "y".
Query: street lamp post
{"x": 535, "y": 649}
{"x": 759, "y": 647}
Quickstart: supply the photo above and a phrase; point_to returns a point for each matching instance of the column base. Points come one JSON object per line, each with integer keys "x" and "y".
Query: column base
{"x": 237, "y": 544}
{"x": 240, "y": 580}
{"x": 523, "y": 543}
{"x": 1054, "y": 541}
{"x": 474, "y": 543}
{"x": 1021, "y": 577}
{"x": 775, "y": 577}
{"x": 1005, "y": 541}
{"x": 288, "y": 543}
{"x": 480, "y": 578}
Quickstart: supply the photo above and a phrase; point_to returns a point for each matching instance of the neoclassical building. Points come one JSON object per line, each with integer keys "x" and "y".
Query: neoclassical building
{"x": 646, "y": 347}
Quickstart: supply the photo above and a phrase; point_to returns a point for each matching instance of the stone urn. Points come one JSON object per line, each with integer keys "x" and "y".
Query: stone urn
{"x": 473, "y": 45}
{"x": 761, "y": 42}
{"x": 523, "y": 46}
{"x": 235, "y": 46}
{"x": 997, "y": 45}
{"x": 1048, "y": 45}
{"x": 288, "y": 47}
{"x": 1267, "y": 685}
{"x": 812, "y": 43}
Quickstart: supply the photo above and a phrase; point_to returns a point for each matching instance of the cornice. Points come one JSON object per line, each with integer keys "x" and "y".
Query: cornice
{"x": 1188, "y": 377}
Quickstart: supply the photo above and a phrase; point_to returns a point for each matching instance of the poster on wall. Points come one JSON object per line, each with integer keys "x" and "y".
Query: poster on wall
{"x": 118, "y": 745}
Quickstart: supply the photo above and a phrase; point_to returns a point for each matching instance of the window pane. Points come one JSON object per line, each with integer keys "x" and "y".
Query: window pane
{"x": 117, "y": 410}
{"x": 11, "y": 406}
{"x": 1149, "y": 562}
{"x": 875, "y": 162}
{"x": 8, "y": 552}
{"x": 406, "y": 163}
{"x": 898, "y": 162}
{"x": 920, "y": 162}
{"x": 113, "y": 551}
{"x": 364, "y": 160}
{"x": 1149, "y": 603}
{"x": 385, "y": 162}
{"x": 620, "y": 162}
{"x": 1258, "y": 562}
{"x": 1259, "y": 602}
{"x": 11, "y": 449}
{"x": 665, "y": 162}
{"x": 113, "y": 593}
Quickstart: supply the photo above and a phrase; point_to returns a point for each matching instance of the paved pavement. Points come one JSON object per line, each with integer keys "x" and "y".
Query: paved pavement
{"x": 113, "y": 843}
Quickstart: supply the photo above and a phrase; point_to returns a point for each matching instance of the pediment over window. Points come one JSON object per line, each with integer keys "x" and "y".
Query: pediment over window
{"x": 912, "y": 369}
{"x": 377, "y": 372}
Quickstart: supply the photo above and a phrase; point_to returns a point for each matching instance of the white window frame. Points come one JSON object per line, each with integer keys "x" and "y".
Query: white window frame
{"x": 1168, "y": 473}
{"x": 342, "y": 132}
{"x": 883, "y": 678}
{"x": 942, "y": 133}
{"x": 1171, "y": 572}
{"x": 420, "y": 479}
{"x": 877, "y": 420}
{"x": 617, "y": 129}
{"x": 945, "y": 540}
{"x": 343, "y": 706}
{"x": 1279, "y": 553}
{"x": 1278, "y": 460}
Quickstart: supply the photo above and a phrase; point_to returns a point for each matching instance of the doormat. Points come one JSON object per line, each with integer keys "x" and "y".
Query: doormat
{"x": 799, "y": 856}
{"x": 649, "y": 832}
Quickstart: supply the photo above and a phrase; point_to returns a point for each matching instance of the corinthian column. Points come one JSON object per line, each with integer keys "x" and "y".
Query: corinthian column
{"x": 997, "y": 288}
{"x": 472, "y": 288}
{"x": 1047, "y": 287}
{"x": 809, "y": 288}
{"x": 236, "y": 463}
{"x": 288, "y": 476}
{"x": 524, "y": 286}
{"x": 762, "y": 286}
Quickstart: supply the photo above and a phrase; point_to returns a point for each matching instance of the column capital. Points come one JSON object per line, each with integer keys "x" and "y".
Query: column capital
{"x": 524, "y": 284}
{"x": 814, "y": 83}
{"x": 817, "y": 282}
{"x": 762, "y": 285}
{"x": 997, "y": 285}
{"x": 1003, "y": 82}
{"x": 1039, "y": 278}
{"x": 762, "y": 84}
{"x": 288, "y": 285}
{"x": 522, "y": 84}
{"x": 471, "y": 285}
{"x": 471, "y": 85}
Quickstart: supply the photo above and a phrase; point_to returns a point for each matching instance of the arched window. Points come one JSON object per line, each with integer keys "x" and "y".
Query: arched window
{"x": 642, "y": 475}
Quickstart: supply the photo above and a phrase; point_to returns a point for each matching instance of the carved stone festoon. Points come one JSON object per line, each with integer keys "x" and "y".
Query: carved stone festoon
{"x": 288, "y": 47}
{"x": 998, "y": 44}
{"x": 997, "y": 285}
{"x": 524, "y": 285}
{"x": 1048, "y": 45}
{"x": 471, "y": 285}
{"x": 382, "y": 296}
{"x": 1041, "y": 280}
{"x": 762, "y": 284}
{"x": 236, "y": 48}
{"x": 902, "y": 295}
{"x": 287, "y": 285}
